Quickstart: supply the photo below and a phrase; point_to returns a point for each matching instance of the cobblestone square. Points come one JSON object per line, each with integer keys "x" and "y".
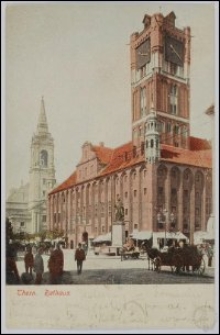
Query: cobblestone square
{"x": 102, "y": 269}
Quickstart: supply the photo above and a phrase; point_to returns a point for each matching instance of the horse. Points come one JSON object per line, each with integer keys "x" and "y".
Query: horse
{"x": 152, "y": 254}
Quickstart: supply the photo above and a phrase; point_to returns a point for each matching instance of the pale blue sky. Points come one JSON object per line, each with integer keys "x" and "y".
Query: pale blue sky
{"x": 75, "y": 55}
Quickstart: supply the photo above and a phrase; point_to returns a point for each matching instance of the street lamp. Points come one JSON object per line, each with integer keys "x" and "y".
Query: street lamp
{"x": 165, "y": 226}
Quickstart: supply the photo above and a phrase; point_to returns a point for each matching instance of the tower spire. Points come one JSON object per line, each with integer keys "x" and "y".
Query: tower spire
{"x": 42, "y": 126}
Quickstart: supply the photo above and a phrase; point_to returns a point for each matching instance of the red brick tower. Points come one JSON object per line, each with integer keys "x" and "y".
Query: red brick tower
{"x": 160, "y": 66}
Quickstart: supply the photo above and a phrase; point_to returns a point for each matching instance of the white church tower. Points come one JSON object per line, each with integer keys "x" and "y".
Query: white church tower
{"x": 42, "y": 173}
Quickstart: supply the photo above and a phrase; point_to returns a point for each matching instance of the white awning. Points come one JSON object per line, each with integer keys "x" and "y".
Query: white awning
{"x": 103, "y": 238}
{"x": 141, "y": 235}
{"x": 169, "y": 235}
{"x": 200, "y": 236}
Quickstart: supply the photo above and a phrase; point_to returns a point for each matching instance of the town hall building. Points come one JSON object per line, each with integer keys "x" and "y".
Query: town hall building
{"x": 163, "y": 176}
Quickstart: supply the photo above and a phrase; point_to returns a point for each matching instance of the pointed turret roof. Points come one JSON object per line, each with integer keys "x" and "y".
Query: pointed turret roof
{"x": 42, "y": 126}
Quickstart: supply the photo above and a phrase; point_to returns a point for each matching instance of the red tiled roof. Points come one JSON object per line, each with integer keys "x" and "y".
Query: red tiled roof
{"x": 103, "y": 154}
{"x": 122, "y": 157}
{"x": 201, "y": 158}
{"x": 66, "y": 184}
{"x": 196, "y": 143}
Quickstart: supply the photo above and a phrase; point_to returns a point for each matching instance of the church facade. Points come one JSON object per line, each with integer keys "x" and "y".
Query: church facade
{"x": 26, "y": 206}
{"x": 163, "y": 176}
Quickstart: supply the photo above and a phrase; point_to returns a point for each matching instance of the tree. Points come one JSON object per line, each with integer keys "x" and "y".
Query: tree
{"x": 56, "y": 233}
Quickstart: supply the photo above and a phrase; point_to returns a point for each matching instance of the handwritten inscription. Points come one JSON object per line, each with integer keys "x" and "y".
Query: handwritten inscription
{"x": 47, "y": 293}
{"x": 28, "y": 293}
{"x": 139, "y": 309}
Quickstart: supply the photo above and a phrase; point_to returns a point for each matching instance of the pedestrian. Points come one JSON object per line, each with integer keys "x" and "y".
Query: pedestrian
{"x": 209, "y": 255}
{"x": 12, "y": 275}
{"x": 79, "y": 258}
{"x": 28, "y": 260}
{"x": 39, "y": 266}
{"x": 55, "y": 265}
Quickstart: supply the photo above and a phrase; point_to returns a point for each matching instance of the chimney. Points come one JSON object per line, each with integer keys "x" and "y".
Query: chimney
{"x": 101, "y": 144}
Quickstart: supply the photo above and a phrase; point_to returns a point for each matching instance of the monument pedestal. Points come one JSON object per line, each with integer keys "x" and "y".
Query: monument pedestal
{"x": 118, "y": 235}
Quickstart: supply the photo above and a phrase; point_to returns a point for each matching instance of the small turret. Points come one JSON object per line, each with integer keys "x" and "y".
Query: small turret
{"x": 152, "y": 138}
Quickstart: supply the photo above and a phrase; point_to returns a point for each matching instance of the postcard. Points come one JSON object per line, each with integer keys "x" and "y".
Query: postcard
{"x": 110, "y": 128}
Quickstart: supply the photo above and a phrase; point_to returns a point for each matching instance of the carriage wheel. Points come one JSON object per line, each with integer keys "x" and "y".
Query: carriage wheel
{"x": 201, "y": 268}
{"x": 157, "y": 263}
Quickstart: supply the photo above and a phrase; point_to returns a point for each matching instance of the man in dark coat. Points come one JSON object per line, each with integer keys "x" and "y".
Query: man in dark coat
{"x": 55, "y": 265}
{"x": 79, "y": 258}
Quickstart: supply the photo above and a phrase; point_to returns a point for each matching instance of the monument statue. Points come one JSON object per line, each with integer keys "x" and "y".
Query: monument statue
{"x": 118, "y": 226}
{"x": 119, "y": 211}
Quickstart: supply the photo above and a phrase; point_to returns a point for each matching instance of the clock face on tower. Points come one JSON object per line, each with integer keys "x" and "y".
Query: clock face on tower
{"x": 143, "y": 53}
{"x": 174, "y": 50}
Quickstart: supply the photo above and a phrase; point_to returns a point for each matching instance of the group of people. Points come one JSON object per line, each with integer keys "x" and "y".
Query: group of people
{"x": 207, "y": 249}
{"x": 129, "y": 245}
{"x": 34, "y": 264}
{"x": 55, "y": 263}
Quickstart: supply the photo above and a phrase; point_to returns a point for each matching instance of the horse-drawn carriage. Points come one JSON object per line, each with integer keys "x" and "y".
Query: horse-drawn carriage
{"x": 178, "y": 258}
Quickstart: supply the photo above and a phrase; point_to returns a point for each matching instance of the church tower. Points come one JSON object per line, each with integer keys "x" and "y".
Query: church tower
{"x": 42, "y": 172}
{"x": 160, "y": 66}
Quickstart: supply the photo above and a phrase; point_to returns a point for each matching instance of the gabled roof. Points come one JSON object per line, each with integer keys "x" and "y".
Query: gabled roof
{"x": 121, "y": 158}
{"x": 103, "y": 154}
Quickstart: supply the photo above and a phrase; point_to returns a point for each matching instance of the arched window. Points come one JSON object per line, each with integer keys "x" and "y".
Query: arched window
{"x": 151, "y": 143}
{"x": 43, "y": 158}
